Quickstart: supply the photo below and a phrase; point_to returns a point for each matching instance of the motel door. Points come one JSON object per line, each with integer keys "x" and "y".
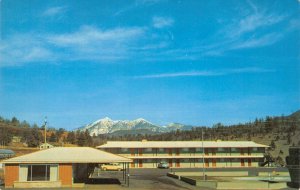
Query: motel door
{"x": 242, "y": 162}
{"x": 140, "y": 163}
{"x": 132, "y": 151}
{"x": 170, "y": 163}
{"x": 242, "y": 151}
{"x": 206, "y": 163}
{"x": 206, "y": 151}
{"x": 170, "y": 151}
{"x": 213, "y": 151}
{"x": 249, "y": 162}
{"x": 214, "y": 162}
{"x": 177, "y": 151}
{"x": 132, "y": 164}
{"x": 140, "y": 152}
{"x": 177, "y": 162}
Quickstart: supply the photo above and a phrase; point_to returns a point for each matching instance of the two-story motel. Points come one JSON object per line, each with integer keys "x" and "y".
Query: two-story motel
{"x": 188, "y": 154}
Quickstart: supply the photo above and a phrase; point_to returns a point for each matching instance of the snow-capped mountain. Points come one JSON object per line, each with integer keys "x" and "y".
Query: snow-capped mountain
{"x": 178, "y": 126}
{"x": 107, "y": 125}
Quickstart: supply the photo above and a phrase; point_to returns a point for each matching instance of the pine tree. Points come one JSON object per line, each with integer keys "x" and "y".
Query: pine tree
{"x": 53, "y": 137}
{"x": 81, "y": 139}
{"x": 71, "y": 137}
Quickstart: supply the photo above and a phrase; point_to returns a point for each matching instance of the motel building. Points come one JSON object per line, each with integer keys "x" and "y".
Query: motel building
{"x": 188, "y": 154}
{"x": 57, "y": 167}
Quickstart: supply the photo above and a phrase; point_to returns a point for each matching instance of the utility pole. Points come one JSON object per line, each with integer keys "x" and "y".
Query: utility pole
{"x": 45, "y": 128}
{"x": 203, "y": 168}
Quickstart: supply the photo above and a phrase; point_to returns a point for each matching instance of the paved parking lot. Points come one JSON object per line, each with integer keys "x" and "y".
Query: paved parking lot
{"x": 153, "y": 179}
{"x": 144, "y": 179}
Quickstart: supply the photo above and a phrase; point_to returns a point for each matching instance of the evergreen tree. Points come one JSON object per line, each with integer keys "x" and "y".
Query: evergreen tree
{"x": 81, "y": 139}
{"x": 35, "y": 138}
{"x": 5, "y": 136}
{"x": 53, "y": 137}
{"x": 71, "y": 137}
{"x": 89, "y": 139}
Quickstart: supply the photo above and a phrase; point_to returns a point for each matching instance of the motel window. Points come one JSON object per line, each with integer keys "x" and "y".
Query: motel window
{"x": 254, "y": 149}
{"x": 220, "y": 149}
{"x": 38, "y": 172}
{"x": 186, "y": 160}
{"x": 148, "y": 161}
{"x": 185, "y": 150}
{"x": 199, "y": 150}
{"x": 124, "y": 150}
{"x": 233, "y": 149}
{"x": 161, "y": 150}
{"x": 148, "y": 150}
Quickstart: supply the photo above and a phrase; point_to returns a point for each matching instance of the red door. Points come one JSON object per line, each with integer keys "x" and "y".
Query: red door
{"x": 178, "y": 163}
{"x": 214, "y": 162}
{"x": 206, "y": 163}
{"x": 242, "y": 162}
{"x": 140, "y": 152}
{"x": 170, "y": 163}
{"x": 249, "y": 162}
{"x": 132, "y": 151}
{"x": 132, "y": 164}
{"x": 140, "y": 163}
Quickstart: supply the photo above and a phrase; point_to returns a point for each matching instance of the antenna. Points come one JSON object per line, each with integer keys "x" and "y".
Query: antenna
{"x": 45, "y": 128}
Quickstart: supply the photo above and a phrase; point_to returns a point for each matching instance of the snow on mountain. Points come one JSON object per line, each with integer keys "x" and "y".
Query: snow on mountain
{"x": 107, "y": 125}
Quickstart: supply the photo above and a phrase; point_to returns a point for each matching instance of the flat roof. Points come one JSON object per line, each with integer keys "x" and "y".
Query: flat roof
{"x": 6, "y": 151}
{"x": 180, "y": 144}
{"x": 68, "y": 155}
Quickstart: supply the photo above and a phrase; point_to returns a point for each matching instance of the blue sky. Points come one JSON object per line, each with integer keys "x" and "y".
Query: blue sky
{"x": 192, "y": 62}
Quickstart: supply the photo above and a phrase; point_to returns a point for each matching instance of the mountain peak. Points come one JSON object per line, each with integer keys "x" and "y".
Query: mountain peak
{"x": 106, "y": 119}
{"x": 141, "y": 120}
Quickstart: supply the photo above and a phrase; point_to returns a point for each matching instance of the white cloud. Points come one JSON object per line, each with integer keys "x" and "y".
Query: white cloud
{"x": 135, "y": 5}
{"x": 262, "y": 41}
{"x": 180, "y": 74}
{"x": 88, "y": 35}
{"x": 87, "y": 43}
{"x": 206, "y": 73}
{"x": 23, "y": 48}
{"x": 253, "y": 22}
{"x": 53, "y": 11}
{"x": 162, "y": 22}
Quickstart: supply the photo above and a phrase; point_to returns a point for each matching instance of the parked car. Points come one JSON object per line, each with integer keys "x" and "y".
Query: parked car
{"x": 163, "y": 165}
{"x": 111, "y": 166}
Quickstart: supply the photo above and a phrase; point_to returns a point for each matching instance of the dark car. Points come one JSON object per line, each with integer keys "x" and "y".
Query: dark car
{"x": 163, "y": 165}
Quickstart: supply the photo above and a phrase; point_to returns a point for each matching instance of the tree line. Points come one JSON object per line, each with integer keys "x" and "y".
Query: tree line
{"x": 33, "y": 135}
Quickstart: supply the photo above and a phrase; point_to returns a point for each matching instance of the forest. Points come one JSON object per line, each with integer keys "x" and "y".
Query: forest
{"x": 33, "y": 135}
